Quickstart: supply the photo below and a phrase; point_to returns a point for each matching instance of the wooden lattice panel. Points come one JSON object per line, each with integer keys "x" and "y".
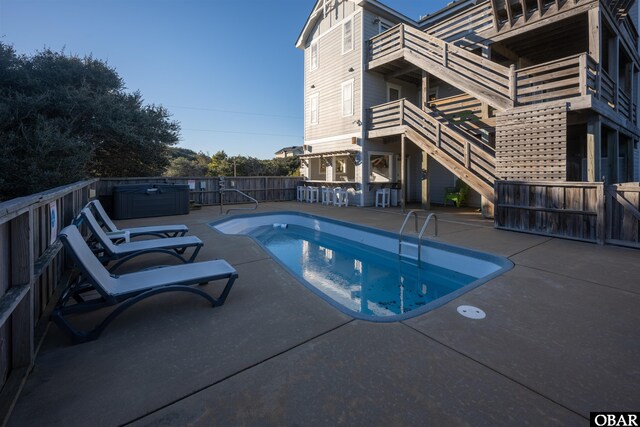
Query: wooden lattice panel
{"x": 531, "y": 145}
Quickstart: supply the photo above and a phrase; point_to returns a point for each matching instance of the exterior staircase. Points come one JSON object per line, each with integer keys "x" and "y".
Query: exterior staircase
{"x": 464, "y": 156}
{"x": 403, "y": 49}
{"x": 486, "y": 80}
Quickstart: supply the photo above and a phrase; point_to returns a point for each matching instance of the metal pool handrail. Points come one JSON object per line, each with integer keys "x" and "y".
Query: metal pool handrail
{"x": 424, "y": 228}
{"x": 404, "y": 224}
{"x": 422, "y": 231}
{"x": 222, "y": 191}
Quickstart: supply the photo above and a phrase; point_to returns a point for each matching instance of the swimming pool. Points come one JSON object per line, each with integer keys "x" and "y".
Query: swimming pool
{"x": 357, "y": 269}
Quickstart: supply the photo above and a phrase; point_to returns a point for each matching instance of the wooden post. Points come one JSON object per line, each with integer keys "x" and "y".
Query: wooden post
{"x": 595, "y": 41}
{"x": 425, "y": 91}
{"x": 630, "y": 76}
{"x": 467, "y": 155}
{"x": 445, "y": 53}
{"x": 540, "y": 7}
{"x": 403, "y": 187}
{"x": 426, "y": 182}
{"x": 22, "y": 274}
{"x": 438, "y": 134}
{"x": 614, "y": 72}
{"x": 401, "y": 29}
{"x": 613, "y": 152}
{"x": 594, "y": 144}
{"x": 494, "y": 12}
{"x": 513, "y": 84}
{"x": 601, "y": 231}
{"x": 582, "y": 67}
{"x": 507, "y": 5}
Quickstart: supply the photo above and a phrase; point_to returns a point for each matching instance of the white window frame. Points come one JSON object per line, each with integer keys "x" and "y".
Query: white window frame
{"x": 350, "y": 47}
{"x": 314, "y": 46}
{"x": 396, "y": 87}
{"x": 314, "y": 119}
{"x": 351, "y": 107}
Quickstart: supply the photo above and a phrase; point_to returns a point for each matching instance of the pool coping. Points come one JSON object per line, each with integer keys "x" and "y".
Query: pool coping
{"x": 503, "y": 263}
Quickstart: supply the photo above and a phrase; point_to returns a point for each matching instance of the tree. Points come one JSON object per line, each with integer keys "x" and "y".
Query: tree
{"x": 223, "y": 165}
{"x": 63, "y": 118}
{"x": 185, "y": 167}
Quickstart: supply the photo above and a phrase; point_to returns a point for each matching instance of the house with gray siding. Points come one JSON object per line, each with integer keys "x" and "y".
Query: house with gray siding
{"x": 481, "y": 90}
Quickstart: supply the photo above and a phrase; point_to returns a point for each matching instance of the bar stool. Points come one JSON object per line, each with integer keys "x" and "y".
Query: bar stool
{"x": 312, "y": 194}
{"x": 327, "y": 195}
{"x": 340, "y": 197}
{"x": 300, "y": 195}
{"x": 383, "y": 197}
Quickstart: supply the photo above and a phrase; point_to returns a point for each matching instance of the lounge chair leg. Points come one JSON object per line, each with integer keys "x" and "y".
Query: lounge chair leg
{"x": 81, "y": 336}
{"x": 223, "y": 296}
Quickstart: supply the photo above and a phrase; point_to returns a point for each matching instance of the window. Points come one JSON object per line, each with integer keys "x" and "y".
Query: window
{"x": 379, "y": 167}
{"x": 347, "y": 98}
{"x": 347, "y": 36}
{"x": 314, "y": 55}
{"x": 394, "y": 92}
{"x": 383, "y": 25}
{"x": 313, "y": 109}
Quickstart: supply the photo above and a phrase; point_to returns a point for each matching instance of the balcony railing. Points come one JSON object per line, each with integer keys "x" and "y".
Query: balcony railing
{"x": 565, "y": 78}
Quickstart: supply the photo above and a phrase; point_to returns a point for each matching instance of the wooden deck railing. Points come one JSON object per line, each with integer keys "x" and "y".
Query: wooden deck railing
{"x": 573, "y": 76}
{"x": 490, "y": 78}
{"x": 463, "y": 25}
{"x": 31, "y": 264}
{"x": 553, "y": 80}
{"x": 464, "y": 112}
{"x": 469, "y": 153}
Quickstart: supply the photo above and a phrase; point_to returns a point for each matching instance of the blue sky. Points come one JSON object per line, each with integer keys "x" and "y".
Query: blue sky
{"x": 228, "y": 71}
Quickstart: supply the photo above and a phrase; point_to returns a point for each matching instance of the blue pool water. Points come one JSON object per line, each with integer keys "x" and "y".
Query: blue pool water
{"x": 361, "y": 278}
{"x": 357, "y": 269}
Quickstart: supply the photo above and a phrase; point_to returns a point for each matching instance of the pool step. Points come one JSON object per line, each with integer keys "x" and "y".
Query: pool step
{"x": 412, "y": 253}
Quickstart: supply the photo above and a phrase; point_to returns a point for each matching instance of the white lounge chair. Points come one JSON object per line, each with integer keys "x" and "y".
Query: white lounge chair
{"x": 106, "y": 250}
{"x": 155, "y": 230}
{"x": 127, "y": 289}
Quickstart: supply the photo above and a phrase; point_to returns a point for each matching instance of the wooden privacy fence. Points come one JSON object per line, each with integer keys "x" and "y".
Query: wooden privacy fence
{"x": 32, "y": 262}
{"x": 584, "y": 211}
{"x": 207, "y": 189}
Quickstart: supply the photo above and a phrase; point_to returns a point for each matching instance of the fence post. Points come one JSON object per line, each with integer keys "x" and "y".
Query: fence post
{"x": 513, "y": 84}
{"x": 22, "y": 265}
{"x": 603, "y": 214}
{"x": 583, "y": 71}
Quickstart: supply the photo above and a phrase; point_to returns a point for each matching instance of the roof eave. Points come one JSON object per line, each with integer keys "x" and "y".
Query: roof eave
{"x": 313, "y": 16}
{"x": 374, "y": 4}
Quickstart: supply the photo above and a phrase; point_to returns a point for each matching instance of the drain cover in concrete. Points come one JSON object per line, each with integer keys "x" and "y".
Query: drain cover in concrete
{"x": 471, "y": 312}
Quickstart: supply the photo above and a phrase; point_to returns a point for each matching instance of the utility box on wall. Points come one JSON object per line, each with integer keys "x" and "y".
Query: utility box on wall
{"x": 147, "y": 200}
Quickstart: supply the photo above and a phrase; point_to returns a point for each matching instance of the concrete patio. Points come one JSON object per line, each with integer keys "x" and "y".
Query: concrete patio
{"x": 560, "y": 339}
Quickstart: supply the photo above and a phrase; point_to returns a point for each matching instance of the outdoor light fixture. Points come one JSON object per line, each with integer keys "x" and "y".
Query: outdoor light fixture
{"x": 351, "y": 69}
{"x": 376, "y": 20}
{"x": 313, "y": 86}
